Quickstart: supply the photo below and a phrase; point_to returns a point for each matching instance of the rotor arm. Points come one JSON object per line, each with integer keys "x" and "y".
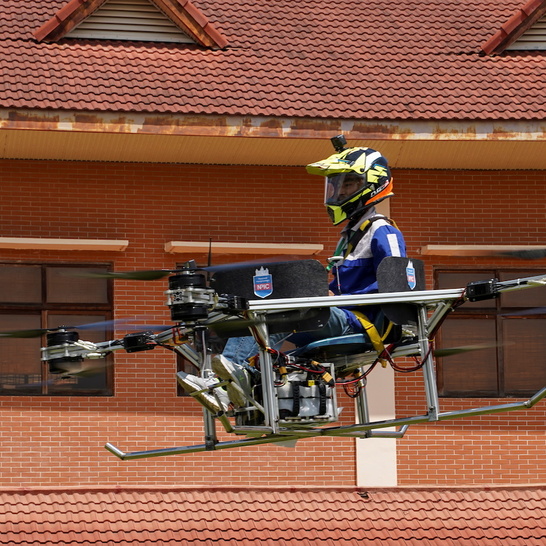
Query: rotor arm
{"x": 492, "y": 288}
{"x": 69, "y": 346}
{"x": 80, "y": 349}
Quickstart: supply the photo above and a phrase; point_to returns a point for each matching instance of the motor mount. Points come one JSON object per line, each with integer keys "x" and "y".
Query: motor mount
{"x": 63, "y": 364}
{"x": 188, "y": 297}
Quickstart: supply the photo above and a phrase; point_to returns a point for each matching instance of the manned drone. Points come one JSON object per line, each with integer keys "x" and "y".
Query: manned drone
{"x": 296, "y": 395}
{"x": 294, "y": 392}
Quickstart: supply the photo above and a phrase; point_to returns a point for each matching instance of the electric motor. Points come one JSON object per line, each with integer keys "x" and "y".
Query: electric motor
{"x": 188, "y": 297}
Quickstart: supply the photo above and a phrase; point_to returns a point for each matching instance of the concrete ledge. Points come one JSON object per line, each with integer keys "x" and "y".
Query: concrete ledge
{"x": 32, "y": 243}
{"x": 180, "y": 247}
{"x": 475, "y": 250}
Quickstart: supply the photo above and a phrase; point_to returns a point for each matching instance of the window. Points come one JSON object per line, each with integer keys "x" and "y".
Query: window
{"x": 512, "y": 361}
{"x": 37, "y": 296}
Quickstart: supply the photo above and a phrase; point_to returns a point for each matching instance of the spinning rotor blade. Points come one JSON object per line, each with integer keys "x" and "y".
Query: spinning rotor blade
{"x": 463, "y": 349}
{"x": 259, "y": 261}
{"x": 529, "y": 254}
{"x": 56, "y": 379}
{"x": 28, "y": 333}
{"x": 155, "y": 274}
{"x": 526, "y": 312}
{"x": 38, "y": 332}
{"x": 150, "y": 275}
{"x": 466, "y": 349}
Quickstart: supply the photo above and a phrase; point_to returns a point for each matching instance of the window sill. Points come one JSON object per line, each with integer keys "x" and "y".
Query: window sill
{"x": 474, "y": 250}
{"x": 182, "y": 247}
{"x": 31, "y": 243}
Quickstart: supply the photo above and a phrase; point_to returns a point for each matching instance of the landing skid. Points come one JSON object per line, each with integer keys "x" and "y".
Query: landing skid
{"x": 354, "y": 431}
{"x": 426, "y": 309}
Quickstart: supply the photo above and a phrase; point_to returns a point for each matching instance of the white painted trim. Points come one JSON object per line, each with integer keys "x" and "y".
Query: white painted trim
{"x": 376, "y": 458}
{"x": 474, "y": 250}
{"x": 179, "y": 247}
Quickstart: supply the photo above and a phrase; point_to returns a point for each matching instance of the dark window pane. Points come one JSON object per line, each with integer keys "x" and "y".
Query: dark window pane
{"x": 20, "y": 366}
{"x": 524, "y": 354}
{"x": 518, "y": 363}
{"x": 470, "y": 371}
{"x": 69, "y": 285}
{"x": 459, "y": 279}
{"x": 532, "y": 297}
{"x": 72, "y": 299}
{"x": 20, "y": 283}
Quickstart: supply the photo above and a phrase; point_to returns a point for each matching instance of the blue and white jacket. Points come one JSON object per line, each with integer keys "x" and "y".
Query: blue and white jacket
{"x": 357, "y": 274}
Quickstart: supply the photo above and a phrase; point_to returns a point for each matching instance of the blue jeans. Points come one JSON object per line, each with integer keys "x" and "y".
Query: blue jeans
{"x": 239, "y": 349}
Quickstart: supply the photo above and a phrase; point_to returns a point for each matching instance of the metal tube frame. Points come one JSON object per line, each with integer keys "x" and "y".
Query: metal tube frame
{"x": 343, "y": 431}
{"x": 437, "y": 301}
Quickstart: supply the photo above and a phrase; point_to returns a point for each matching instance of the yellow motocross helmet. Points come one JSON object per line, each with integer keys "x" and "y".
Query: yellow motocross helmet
{"x": 356, "y": 179}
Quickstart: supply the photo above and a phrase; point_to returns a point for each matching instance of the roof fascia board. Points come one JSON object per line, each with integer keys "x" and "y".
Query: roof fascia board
{"x": 192, "y": 21}
{"x": 261, "y": 126}
{"x": 523, "y": 19}
{"x": 66, "y": 19}
{"x": 182, "y": 12}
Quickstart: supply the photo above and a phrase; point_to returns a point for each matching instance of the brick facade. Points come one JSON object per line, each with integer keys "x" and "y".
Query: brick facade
{"x": 58, "y": 440}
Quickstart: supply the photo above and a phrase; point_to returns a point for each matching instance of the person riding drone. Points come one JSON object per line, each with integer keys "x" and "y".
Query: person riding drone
{"x": 356, "y": 179}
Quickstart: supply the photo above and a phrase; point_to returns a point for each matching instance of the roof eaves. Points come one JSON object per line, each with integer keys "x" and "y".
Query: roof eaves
{"x": 182, "y": 12}
{"x": 521, "y": 20}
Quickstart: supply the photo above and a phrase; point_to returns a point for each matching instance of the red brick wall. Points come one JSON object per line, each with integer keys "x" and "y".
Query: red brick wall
{"x": 463, "y": 207}
{"x": 56, "y": 440}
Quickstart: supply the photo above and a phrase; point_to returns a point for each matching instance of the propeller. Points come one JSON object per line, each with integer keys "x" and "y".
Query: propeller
{"x": 526, "y": 312}
{"x": 76, "y": 372}
{"x": 38, "y": 332}
{"x": 155, "y": 274}
{"x": 441, "y": 353}
{"x": 525, "y": 254}
{"x": 150, "y": 275}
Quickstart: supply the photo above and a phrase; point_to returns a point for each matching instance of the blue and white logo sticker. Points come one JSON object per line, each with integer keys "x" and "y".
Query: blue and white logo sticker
{"x": 410, "y": 275}
{"x": 263, "y": 283}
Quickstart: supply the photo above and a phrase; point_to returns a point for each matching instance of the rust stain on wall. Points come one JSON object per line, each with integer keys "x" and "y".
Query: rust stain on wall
{"x": 314, "y": 127}
{"x": 208, "y": 125}
{"x": 380, "y": 130}
{"x": 94, "y": 123}
{"x": 499, "y": 133}
{"x": 439, "y": 132}
{"x": 19, "y": 120}
{"x": 271, "y": 128}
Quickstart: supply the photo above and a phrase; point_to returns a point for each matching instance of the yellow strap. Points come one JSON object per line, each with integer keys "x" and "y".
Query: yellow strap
{"x": 375, "y": 337}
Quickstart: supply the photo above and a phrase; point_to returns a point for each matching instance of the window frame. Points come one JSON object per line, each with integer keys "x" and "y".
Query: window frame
{"x": 45, "y": 310}
{"x": 499, "y": 314}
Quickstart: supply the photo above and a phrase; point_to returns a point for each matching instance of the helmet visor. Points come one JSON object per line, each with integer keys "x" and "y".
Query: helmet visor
{"x": 340, "y": 188}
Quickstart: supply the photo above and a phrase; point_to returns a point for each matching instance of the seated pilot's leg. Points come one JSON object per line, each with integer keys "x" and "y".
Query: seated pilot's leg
{"x": 337, "y": 325}
{"x": 240, "y": 349}
{"x": 232, "y": 365}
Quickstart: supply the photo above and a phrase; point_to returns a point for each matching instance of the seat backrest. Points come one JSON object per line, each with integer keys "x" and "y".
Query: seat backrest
{"x": 277, "y": 280}
{"x": 398, "y": 274}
